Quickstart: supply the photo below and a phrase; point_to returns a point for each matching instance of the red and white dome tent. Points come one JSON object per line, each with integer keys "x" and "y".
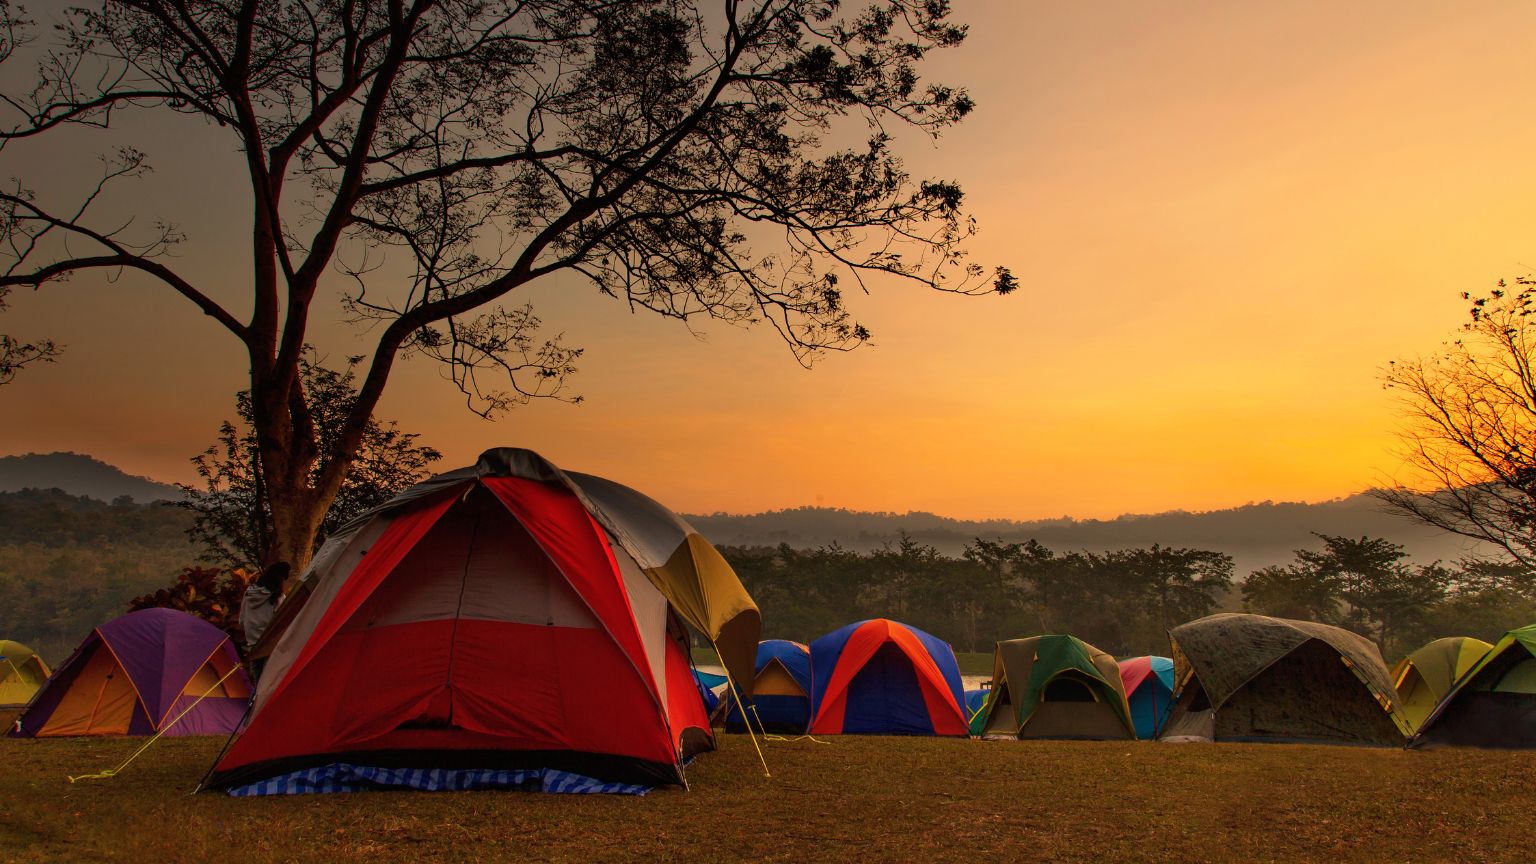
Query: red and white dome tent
{"x": 507, "y": 624}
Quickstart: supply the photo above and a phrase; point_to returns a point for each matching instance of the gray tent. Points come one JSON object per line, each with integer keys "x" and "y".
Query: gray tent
{"x": 1255, "y": 678}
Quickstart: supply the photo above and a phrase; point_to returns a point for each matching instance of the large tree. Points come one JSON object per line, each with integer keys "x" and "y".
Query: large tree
{"x": 232, "y": 519}
{"x": 1470, "y": 430}
{"x": 733, "y": 162}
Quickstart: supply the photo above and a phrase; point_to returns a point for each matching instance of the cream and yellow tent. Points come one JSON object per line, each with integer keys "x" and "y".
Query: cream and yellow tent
{"x": 1424, "y": 677}
{"x": 22, "y": 672}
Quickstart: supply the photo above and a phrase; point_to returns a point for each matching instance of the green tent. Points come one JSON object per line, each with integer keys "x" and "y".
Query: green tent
{"x": 1256, "y": 678}
{"x": 21, "y": 673}
{"x": 1054, "y": 687}
{"x": 1425, "y": 676}
{"x": 1494, "y": 704}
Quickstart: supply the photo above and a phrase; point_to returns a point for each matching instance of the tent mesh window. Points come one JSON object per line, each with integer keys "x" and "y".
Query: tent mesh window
{"x": 1520, "y": 677}
{"x": 1068, "y": 687}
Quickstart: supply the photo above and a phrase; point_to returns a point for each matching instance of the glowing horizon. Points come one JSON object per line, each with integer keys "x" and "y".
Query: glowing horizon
{"x": 1225, "y": 221}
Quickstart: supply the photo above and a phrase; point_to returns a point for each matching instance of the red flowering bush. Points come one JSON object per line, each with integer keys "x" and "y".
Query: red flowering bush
{"x": 207, "y": 592}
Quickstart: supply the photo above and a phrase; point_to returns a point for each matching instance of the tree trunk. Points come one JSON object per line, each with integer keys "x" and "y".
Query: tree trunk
{"x": 296, "y": 518}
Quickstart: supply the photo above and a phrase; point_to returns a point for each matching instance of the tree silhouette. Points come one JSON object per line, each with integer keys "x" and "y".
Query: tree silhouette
{"x": 731, "y": 163}
{"x": 1470, "y": 429}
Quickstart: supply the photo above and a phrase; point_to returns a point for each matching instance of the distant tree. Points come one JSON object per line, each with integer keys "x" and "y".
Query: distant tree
{"x": 995, "y": 597}
{"x": 803, "y": 592}
{"x": 1049, "y": 585}
{"x": 1470, "y": 431}
{"x": 209, "y": 593}
{"x": 1484, "y": 613}
{"x": 733, "y": 163}
{"x": 232, "y": 519}
{"x": 903, "y": 575}
{"x": 1177, "y": 585}
{"x": 1291, "y": 592}
{"x": 1364, "y": 584}
{"x": 1478, "y": 574}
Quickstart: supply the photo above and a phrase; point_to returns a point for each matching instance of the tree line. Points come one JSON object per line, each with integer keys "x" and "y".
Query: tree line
{"x": 1124, "y": 601}
{"x": 69, "y": 563}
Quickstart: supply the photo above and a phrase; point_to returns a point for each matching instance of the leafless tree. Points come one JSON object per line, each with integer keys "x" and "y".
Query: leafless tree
{"x": 1471, "y": 427}
{"x": 690, "y": 161}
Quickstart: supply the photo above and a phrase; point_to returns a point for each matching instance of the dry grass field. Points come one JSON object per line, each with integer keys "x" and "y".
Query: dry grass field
{"x": 860, "y": 799}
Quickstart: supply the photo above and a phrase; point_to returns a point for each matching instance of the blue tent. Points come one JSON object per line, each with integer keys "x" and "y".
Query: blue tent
{"x": 974, "y": 699}
{"x": 781, "y": 689}
{"x": 1149, "y": 688}
{"x": 707, "y": 683}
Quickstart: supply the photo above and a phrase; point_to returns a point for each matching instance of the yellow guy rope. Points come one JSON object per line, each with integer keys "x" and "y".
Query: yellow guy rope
{"x": 767, "y": 737}
{"x": 731, "y": 682}
{"x": 113, "y": 772}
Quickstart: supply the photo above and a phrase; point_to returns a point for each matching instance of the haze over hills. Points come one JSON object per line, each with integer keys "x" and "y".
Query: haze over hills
{"x": 79, "y": 474}
{"x": 1255, "y": 535}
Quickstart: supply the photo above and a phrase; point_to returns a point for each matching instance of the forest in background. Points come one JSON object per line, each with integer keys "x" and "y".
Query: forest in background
{"x": 69, "y": 563}
{"x": 1255, "y": 535}
{"x": 1124, "y": 601}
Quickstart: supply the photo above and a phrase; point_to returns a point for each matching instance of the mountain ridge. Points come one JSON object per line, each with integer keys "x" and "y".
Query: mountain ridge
{"x": 80, "y": 474}
{"x": 1256, "y": 534}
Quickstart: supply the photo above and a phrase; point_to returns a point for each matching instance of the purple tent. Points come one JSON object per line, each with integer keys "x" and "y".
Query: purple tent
{"x": 135, "y": 675}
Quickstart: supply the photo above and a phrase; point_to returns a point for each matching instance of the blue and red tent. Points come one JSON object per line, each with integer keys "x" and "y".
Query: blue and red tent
{"x": 882, "y": 677}
{"x": 781, "y": 692}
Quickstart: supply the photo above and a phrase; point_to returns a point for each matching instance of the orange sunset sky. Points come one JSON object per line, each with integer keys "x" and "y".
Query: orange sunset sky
{"x": 1226, "y": 217}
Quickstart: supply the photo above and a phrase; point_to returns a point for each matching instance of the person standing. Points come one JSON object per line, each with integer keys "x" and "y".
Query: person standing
{"x": 259, "y": 605}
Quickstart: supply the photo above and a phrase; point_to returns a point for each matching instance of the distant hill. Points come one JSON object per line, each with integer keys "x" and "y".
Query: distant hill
{"x": 1255, "y": 535}
{"x": 79, "y": 474}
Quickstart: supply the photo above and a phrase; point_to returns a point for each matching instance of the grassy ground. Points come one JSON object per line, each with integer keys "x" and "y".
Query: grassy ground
{"x": 852, "y": 798}
{"x": 975, "y": 664}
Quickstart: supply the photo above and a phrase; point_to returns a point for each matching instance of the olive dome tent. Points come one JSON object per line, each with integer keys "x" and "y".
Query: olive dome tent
{"x": 22, "y": 672}
{"x": 781, "y": 690}
{"x": 504, "y": 625}
{"x": 1053, "y": 687}
{"x": 1256, "y": 678}
{"x": 1493, "y": 704}
{"x": 140, "y": 674}
{"x": 1424, "y": 677}
{"x": 882, "y": 677}
{"x": 1149, "y": 690}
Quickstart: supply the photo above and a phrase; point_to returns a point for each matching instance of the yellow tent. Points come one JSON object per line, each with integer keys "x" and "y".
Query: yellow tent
{"x": 1425, "y": 676}
{"x": 21, "y": 673}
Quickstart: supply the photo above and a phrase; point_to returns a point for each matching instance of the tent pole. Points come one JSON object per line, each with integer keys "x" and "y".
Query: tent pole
{"x": 735, "y": 694}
